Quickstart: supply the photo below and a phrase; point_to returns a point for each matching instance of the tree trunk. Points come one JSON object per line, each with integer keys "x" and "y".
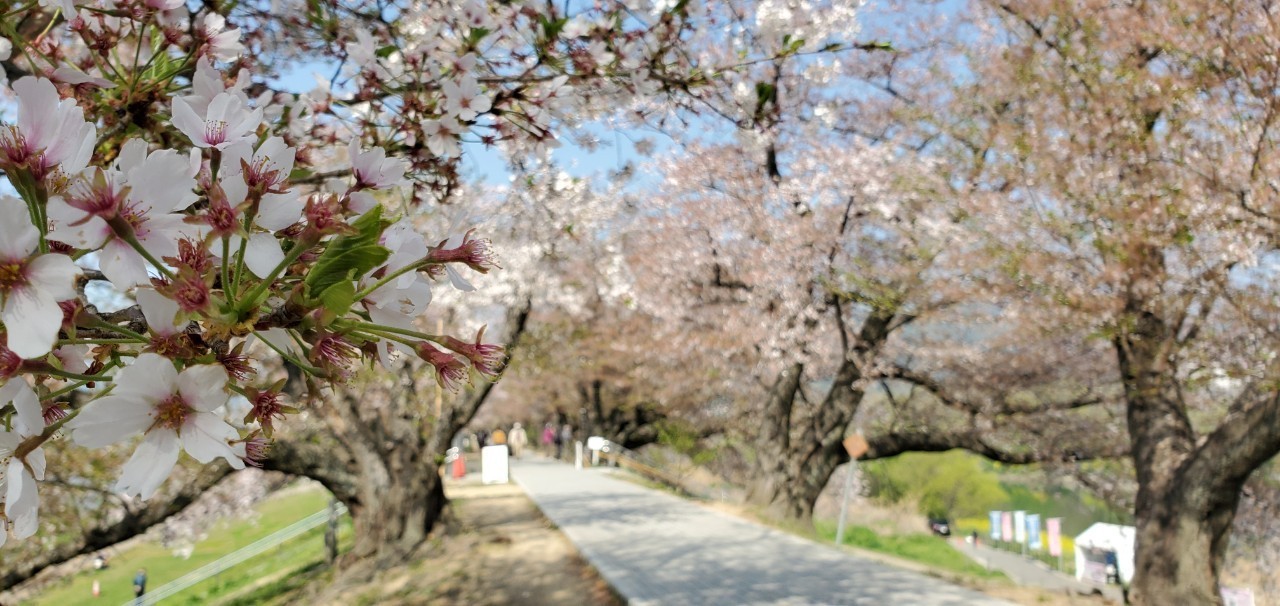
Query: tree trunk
{"x": 795, "y": 457}
{"x": 1180, "y": 548}
{"x": 379, "y": 451}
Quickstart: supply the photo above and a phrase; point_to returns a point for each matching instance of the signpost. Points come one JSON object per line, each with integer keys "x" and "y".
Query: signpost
{"x": 856, "y": 446}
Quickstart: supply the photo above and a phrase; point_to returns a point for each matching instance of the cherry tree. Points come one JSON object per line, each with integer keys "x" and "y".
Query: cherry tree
{"x": 1124, "y": 157}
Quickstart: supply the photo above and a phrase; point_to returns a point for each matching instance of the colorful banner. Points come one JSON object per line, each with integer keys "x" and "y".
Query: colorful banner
{"x": 994, "y": 518}
{"x": 1020, "y": 527}
{"x": 1033, "y": 532}
{"x": 1006, "y": 526}
{"x": 1054, "y": 527}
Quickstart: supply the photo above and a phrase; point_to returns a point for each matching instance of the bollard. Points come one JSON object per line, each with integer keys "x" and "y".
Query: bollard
{"x": 577, "y": 454}
{"x": 459, "y": 467}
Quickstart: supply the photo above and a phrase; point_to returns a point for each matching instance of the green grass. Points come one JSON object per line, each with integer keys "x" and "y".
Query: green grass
{"x": 162, "y": 566}
{"x": 926, "y": 549}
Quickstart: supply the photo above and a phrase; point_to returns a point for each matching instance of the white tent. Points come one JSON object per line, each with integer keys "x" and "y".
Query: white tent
{"x": 1093, "y": 545}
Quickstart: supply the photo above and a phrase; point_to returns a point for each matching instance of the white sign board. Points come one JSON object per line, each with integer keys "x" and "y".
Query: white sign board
{"x": 596, "y": 443}
{"x": 493, "y": 464}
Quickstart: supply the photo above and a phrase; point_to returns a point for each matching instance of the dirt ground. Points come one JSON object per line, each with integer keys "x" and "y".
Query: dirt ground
{"x": 496, "y": 548}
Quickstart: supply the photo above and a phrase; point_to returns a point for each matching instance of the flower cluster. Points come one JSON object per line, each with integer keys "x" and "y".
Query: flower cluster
{"x": 223, "y": 254}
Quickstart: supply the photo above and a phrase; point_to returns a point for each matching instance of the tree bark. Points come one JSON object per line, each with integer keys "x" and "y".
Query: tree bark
{"x": 798, "y": 450}
{"x": 1188, "y": 486}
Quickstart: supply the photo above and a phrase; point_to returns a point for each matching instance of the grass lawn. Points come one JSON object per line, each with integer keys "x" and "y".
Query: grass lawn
{"x": 926, "y": 549}
{"x": 303, "y": 552}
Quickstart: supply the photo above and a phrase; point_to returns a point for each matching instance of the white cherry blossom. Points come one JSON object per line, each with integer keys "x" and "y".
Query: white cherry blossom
{"x": 226, "y": 121}
{"x": 465, "y": 99}
{"x": 373, "y": 169}
{"x": 51, "y": 134}
{"x": 224, "y": 44}
{"x": 146, "y": 191}
{"x": 30, "y": 285}
{"x": 20, "y": 474}
{"x": 174, "y": 411}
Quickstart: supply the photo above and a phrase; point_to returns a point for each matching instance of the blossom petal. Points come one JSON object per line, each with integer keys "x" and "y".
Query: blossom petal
{"x": 32, "y": 319}
{"x": 109, "y": 420}
{"x": 18, "y": 237}
{"x": 205, "y": 437}
{"x": 29, "y": 420}
{"x": 262, "y": 254}
{"x": 204, "y": 386}
{"x": 150, "y": 464}
{"x": 278, "y": 211}
{"x": 151, "y": 377}
{"x": 72, "y": 226}
{"x": 160, "y": 311}
{"x": 55, "y": 275}
{"x": 186, "y": 120}
{"x": 20, "y": 498}
{"x": 123, "y": 266}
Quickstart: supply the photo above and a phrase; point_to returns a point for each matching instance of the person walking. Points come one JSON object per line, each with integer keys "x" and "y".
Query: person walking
{"x": 566, "y": 438}
{"x": 139, "y": 585}
{"x": 517, "y": 439}
{"x": 548, "y": 439}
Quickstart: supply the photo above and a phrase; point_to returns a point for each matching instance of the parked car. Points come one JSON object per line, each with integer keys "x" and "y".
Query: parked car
{"x": 940, "y": 527}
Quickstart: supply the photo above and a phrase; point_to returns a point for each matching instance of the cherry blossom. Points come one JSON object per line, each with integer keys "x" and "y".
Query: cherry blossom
{"x": 137, "y": 199}
{"x": 465, "y": 99}
{"x": 6, "y": 49}
{"x": 226, "y": 121}
{"x": 51, "y": 134}
{"x": 373, "y": 169}
{"x": 223, "y": 44}
{"x": 174, "y": 411}
{"x": 30, "y": 286}
{"x": 20, "y": 474}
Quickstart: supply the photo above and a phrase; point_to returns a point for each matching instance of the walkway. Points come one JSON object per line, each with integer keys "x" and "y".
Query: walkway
{"x": 1029, "y": 572}
{"x": 655, "y": 548}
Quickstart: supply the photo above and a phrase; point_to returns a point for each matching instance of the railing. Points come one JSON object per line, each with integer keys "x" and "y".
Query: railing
{"x": 630, "y": 459}
{"x": 240, "y": 555}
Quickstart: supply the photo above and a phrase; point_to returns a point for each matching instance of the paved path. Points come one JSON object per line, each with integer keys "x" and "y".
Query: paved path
{"x": 655, "y": 548}
{"x": 1028, "y": 571}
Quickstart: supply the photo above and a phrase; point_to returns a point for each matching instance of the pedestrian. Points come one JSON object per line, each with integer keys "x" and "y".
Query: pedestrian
{"x": 482, "y": 439}
{"x": 548, "y": 438}
{"x": 517, "y": 439}
{"x": 566, "y": 437}
{"x": 139, "y": 585}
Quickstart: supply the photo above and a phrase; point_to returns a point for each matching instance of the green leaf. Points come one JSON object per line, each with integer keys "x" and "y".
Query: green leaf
{"x": 339, "y": 297}
{"x": 552, "y": 28}
{"x": 386, "y": 51}
{"x": 347, "y": 257}
{"x": 476, "y": 35}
